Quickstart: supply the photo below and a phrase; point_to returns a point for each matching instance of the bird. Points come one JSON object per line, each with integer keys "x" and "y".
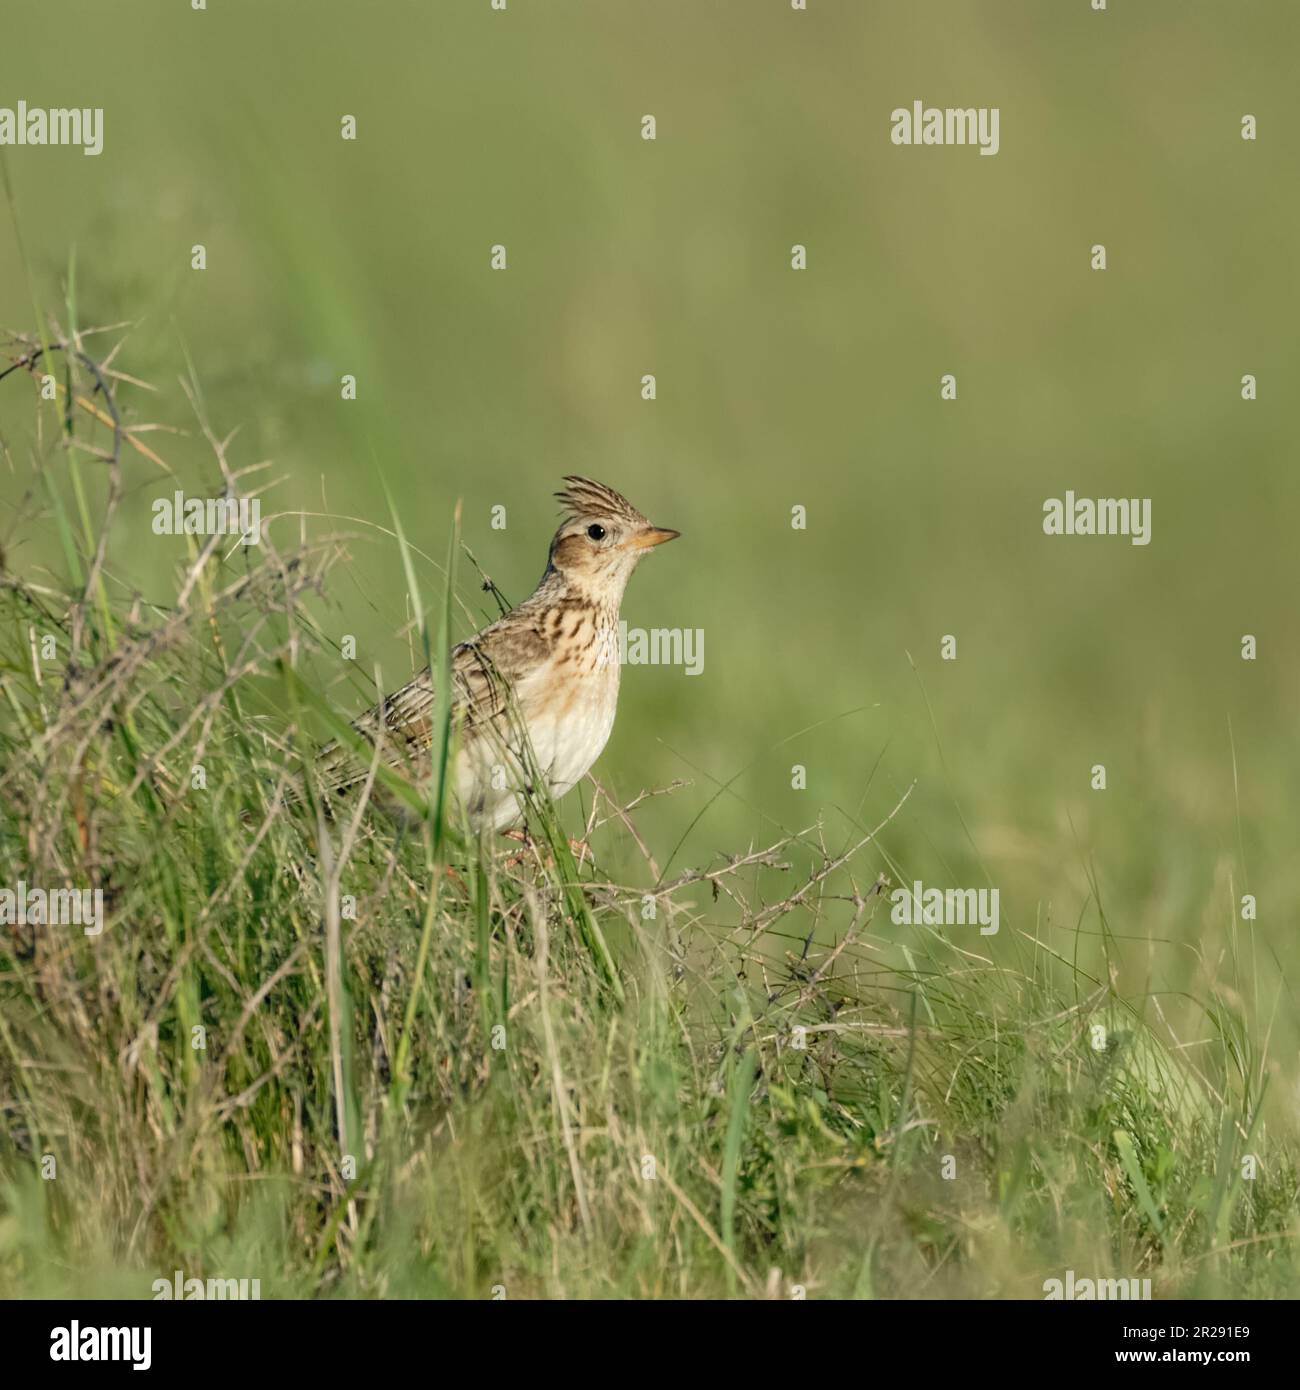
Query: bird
{"x": 535, "y": 693}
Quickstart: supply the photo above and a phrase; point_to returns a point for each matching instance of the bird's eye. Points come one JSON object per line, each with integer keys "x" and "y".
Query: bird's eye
{"x": 597, "y": 533}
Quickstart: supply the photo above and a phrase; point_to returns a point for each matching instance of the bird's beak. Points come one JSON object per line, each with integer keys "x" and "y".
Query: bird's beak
{"x": 652, "y": 535}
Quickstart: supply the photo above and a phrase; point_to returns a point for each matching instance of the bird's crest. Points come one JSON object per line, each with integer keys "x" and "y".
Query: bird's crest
{"x": 583, "y": 497}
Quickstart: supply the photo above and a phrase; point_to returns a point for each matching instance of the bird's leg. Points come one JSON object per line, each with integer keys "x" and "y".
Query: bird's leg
{"x": 521, "y": 834}
{"x": 579, "y": 848}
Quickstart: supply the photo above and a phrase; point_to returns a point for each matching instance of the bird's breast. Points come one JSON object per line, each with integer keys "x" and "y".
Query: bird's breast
{"x": 570, "y": 715}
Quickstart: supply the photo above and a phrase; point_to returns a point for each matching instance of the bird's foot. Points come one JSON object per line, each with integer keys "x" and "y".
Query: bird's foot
{"x": 521, "y": 834}
{"x": 580, "y": 849}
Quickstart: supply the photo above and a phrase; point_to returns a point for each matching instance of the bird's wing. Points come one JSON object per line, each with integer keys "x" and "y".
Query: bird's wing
{"x": 484, "y": 670}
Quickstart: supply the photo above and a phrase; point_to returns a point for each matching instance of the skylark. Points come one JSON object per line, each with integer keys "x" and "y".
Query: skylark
{"x": 534, "y": 694}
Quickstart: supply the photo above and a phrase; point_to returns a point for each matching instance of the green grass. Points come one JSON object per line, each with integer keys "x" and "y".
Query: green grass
{"x": 432, "y": 1067}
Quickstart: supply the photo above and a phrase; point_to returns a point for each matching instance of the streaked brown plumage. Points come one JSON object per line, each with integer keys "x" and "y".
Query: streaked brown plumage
{"x": 535, "y": 693}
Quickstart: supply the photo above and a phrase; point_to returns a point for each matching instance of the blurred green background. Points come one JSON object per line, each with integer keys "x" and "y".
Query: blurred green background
{"x": 775, "y": 387}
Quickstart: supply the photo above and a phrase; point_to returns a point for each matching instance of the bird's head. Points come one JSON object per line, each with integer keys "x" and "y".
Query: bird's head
{"x": 601, "y": 539}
